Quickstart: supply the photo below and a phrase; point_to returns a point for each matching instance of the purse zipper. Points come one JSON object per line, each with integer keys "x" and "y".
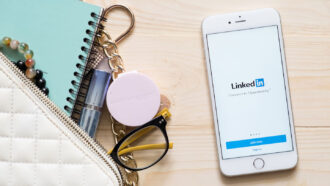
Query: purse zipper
{"x": 67, "y": 121}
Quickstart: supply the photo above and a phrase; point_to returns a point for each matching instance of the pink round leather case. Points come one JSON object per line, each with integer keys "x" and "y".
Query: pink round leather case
{"x": 133, "y": 99}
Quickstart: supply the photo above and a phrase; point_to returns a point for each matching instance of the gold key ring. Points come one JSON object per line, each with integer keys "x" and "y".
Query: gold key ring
{"x": 109, "y": 45}
{"x": 131, "y": 15}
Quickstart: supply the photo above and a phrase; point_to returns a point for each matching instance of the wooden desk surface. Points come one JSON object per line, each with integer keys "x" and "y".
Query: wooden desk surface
{"x": 167, "y": 45}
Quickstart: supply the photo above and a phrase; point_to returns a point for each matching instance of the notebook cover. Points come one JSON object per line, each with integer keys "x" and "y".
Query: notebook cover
{"x": 54, "y": 30}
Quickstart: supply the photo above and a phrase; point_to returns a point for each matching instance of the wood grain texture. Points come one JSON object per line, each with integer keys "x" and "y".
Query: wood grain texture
{"x": 167, "y": 45}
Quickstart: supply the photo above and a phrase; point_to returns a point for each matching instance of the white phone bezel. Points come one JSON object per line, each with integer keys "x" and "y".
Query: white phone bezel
{"x": 239, "y": 21}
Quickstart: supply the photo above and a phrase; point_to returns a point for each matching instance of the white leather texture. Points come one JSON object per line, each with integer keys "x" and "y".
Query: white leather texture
{"x": 37, "y": 149}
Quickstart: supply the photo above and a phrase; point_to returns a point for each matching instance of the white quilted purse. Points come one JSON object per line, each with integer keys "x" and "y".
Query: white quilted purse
{"x": 40, "y": 145}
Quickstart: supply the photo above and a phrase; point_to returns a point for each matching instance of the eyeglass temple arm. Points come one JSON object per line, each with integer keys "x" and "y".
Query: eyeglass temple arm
{"x": 145, "y": 147}
{"x": 138, "y": 135}
{"x": 165, "y": 113}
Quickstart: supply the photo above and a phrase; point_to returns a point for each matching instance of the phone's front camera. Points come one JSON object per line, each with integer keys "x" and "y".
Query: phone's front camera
{"x": 229, "y": 22}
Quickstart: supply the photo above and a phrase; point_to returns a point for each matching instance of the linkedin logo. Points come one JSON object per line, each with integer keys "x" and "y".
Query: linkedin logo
{"x": 260, "y": 82}
{"x": 256, "y": 83}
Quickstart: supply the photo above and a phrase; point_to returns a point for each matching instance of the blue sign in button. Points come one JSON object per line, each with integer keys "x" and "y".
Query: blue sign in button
{"x": 256, "y": 141}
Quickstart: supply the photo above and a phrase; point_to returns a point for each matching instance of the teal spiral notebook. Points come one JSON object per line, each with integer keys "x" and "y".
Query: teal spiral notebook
{"x": 57, "y": 32}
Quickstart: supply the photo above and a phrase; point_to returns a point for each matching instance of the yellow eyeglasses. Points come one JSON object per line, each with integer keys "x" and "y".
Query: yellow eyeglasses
{"x": 150, "y": 136}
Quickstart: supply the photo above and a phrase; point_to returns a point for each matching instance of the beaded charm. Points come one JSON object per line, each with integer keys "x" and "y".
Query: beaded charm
{"x": 6, "y": 41}
{"x": 22, "y": 48}
{"x": 30, "y": 73}
{"x": 14, "y": 44}
{"x": 29, "y": 63}
{"x": 27, "y": 66}
{"x": 28, "y": 54}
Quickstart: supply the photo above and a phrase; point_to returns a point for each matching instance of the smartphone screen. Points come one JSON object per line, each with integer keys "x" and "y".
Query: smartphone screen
{"x": 249, "y": 87}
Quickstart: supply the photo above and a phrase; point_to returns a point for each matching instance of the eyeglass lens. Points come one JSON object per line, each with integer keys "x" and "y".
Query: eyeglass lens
{"x": 148, "y": 144}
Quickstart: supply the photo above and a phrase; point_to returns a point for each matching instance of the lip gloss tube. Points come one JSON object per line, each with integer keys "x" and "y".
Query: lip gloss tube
{"x": 97, "y": 91}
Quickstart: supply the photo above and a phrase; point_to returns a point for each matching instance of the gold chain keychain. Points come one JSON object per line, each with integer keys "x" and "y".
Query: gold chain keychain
{"x": 110, "y": 49}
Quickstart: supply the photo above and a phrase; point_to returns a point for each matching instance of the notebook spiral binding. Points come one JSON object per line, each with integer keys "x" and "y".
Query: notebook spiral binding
{"x": 80, "y": 83}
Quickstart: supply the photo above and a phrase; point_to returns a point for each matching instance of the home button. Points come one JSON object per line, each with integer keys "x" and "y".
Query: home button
{"x": 258, "y": 163}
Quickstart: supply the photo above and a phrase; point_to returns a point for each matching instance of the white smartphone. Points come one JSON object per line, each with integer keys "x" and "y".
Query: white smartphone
{"x": 250, "y": 92}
